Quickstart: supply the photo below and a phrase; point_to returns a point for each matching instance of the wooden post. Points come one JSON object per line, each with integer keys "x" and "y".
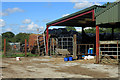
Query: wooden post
{"x": 74, "y": 47}
{"x": 83, "y": 35}
{"x": 4, "y": 47}
{"x": 25, "y": 47}
{"x": 53, "y": 46}
{"x": 50, "y": 47}
{"x": 97, "y": 44}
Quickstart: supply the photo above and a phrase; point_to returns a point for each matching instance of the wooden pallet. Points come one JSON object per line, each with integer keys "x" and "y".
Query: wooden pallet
{"x": 63, "y": 52}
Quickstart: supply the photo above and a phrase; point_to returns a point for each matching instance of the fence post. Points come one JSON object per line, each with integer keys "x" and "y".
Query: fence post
{"x": 74, "y": 46}
{"x": 25, "y": 47}
{"x": 4, "y": 47}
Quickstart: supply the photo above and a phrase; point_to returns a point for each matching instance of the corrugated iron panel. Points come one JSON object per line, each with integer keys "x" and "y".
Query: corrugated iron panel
{"x": 115, "y": 13}
{"x": 119, "y": 12}
{"x": 110, "y": 15}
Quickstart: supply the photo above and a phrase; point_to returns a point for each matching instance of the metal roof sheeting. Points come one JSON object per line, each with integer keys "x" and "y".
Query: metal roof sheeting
{"x": 110, "y": 14}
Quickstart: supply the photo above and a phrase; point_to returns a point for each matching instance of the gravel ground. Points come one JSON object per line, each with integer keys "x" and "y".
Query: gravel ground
{"x": 47, "y": 67}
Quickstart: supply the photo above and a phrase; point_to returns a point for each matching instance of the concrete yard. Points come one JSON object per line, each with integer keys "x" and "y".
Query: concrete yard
{"x": 50, "y": 67}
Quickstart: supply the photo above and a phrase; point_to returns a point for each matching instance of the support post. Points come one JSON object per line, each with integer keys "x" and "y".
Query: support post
{"x": 4, "y": 47}
{"x": 53, "y": 46}
{"x": 25, "y": 47}
{"x": 93, "y": 15}
{"x": 83, "y": 35}
{"x": 74, "y": 47}
{"x": 47, "y": 35}
{"x": 97, "y": 44}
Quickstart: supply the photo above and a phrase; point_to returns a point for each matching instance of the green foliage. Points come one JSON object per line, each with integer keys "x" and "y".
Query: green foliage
{"x": 32, "y": 55}
{"x": 91, "y": 30}
{"x": 20, "y": 55}
{"x": 102, "y": 30}
{"x": 117, "y": 30}
{"x": 70, "y": 28}
{"x": 11, "y": 37}
{"x": 8, "y": 35}
{"x": 21, "y": 37}
{"x": 106, "y": 4}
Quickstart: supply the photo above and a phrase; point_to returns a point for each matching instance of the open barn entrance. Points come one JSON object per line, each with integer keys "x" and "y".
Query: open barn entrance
{"x": 95, "y": 17}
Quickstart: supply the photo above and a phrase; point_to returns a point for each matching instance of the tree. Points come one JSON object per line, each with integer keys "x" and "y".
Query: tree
{"x": 101, "y": 30}
{"x": 9, "y": 36}
{"x": 21, "y": 37}
{"x": 117, "y": 30}
{"x": 106, "y": 4}
{"x": 70, "y": 28}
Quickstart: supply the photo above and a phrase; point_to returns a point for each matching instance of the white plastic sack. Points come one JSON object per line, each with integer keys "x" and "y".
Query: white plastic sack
{"x": 88, "y": 57}
{"x": 18, "y": 58}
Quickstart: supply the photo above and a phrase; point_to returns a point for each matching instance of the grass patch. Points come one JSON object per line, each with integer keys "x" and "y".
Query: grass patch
{"x": 32, "y": 55}
{"x": 20, "y": 55}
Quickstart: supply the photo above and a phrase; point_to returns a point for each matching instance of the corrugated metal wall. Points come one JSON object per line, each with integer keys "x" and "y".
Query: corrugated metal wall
{"x": 110, "y": 15}
{"x": 119, "y": 11}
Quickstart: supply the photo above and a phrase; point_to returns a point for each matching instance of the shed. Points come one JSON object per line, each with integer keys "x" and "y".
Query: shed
{"x": 94, "y": 16}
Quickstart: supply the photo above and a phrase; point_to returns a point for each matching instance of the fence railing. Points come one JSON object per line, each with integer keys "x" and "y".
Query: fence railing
{"x": 109, "y": 50}
{"x": 83, "y": 48}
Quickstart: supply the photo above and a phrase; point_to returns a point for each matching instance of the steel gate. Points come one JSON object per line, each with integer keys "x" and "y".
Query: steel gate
{"x": 109, "y": 50}
{"x": 61, "y": 43}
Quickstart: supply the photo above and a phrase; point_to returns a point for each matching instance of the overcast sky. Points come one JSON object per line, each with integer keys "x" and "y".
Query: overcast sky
{"x": 28, "y": 16}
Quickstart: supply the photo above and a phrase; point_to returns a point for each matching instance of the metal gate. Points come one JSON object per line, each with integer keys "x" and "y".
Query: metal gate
{"x": 109, "y": 50}
{"x": 61, "y": 43}
{"x": 66, "y": 43}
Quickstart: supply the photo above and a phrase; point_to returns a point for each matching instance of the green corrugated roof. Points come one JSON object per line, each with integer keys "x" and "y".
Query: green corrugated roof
{"x": 108, "y": 7}
{"x": 74, "y": 14}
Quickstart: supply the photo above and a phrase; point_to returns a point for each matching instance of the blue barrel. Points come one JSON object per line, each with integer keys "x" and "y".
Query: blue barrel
{"x": 91, "y": 51}
{"x": 88, "y": 51}
{"x": 83, "y": 56}
{"x": 65, "y": 59}
{"x": 70, "y": 58}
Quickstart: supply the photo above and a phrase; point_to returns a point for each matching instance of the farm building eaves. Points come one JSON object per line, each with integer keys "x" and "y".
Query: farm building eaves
{"x": 74, "y": 14}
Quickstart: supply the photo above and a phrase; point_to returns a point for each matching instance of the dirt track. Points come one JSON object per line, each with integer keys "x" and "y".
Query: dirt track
{"x": 46, "y": 67}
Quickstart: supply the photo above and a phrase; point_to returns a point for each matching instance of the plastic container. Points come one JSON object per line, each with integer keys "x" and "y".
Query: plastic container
{"x": 88, "y": 51}
{"x": 70, "y": 58}
{"x": 83, "y": 56}
{"x": 91, "y": 51}
{"x": 65, "y": 59}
